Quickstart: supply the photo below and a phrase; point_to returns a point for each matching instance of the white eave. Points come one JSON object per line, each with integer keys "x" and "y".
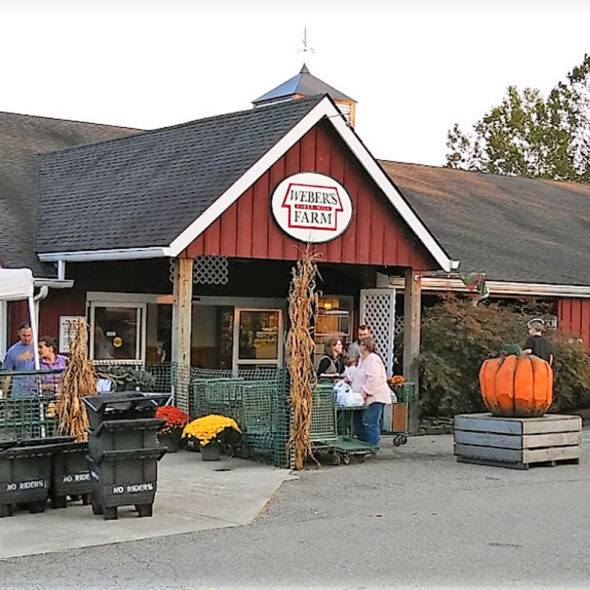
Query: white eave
{"x": 97, "y": 255}
{"x": 500, "y": 287}
{"x": 324, "y": 109}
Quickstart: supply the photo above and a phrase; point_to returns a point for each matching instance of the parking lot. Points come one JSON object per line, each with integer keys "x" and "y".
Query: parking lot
{"x": 412, "y": 517}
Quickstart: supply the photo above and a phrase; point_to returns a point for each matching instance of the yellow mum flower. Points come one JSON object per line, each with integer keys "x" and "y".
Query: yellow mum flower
{"x": 207, "y": 428}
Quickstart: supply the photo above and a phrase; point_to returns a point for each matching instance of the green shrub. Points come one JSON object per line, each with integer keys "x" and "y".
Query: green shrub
{"x": 457, "y": 337}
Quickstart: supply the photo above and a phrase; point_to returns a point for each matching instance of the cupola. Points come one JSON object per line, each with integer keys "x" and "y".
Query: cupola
{"x": 305, "y": 84}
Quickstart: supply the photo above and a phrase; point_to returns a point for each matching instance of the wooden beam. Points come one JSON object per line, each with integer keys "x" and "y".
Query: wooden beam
{"x": 181, "y": 328}
{"x": 412, "y": 319}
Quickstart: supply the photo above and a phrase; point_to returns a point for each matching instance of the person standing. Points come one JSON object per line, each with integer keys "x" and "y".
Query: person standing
{"x": 20, "y": 357}
{"x": 354, "y": 350}
{"x": 332, "y": 363}
{"x": 371, "y": 381}
{"x": 536, "y": 343}
{"x": 50, "y": 360}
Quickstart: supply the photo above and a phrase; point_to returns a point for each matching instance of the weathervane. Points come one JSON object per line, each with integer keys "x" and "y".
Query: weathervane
{"x": 306, "y": 48}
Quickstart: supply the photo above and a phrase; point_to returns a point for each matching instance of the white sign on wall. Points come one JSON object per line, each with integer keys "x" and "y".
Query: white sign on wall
{"x": 64, "y": 323}
{"x": 312, "y": 207}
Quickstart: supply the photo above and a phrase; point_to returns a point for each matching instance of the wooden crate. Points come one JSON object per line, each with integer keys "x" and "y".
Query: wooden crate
{"x": 517, "y": 443}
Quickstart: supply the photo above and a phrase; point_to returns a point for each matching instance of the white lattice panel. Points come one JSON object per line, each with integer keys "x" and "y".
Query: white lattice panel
{"x": 211, "y": 270}
{"x": 378, "y": 311}
{"x": 207, "y": 270}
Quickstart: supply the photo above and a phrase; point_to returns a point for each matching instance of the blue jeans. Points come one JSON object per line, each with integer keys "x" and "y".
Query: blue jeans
{"x": 368, "y": 426}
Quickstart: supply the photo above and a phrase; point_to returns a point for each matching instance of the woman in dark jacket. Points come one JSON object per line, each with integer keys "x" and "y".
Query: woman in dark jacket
{"x": 332, "y": 363}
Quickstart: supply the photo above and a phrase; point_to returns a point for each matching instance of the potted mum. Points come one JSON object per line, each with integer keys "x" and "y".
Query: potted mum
{"x": 397, "y": 384}
{"x": 212, "y": 433}
{"x": 170, "y": 434}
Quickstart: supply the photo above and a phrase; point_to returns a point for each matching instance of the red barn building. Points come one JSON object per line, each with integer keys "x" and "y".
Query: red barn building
{"x": 121, "y": 229}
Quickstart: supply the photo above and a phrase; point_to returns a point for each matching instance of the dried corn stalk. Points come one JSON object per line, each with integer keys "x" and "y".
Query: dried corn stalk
{"x": 303, "y": 301}
{"x": 78, "y": 380}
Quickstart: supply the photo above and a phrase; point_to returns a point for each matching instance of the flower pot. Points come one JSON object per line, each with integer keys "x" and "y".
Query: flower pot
{"x": 170, "y": 440}
{"x": 211, "y": 451}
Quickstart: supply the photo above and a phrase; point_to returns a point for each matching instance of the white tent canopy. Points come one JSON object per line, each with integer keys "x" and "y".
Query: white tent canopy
{"x": 15, "y": 285}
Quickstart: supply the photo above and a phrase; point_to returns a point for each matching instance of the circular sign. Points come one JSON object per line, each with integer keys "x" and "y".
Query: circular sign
{"x": 311, "y": 207}
{"x": 117, "y": 341}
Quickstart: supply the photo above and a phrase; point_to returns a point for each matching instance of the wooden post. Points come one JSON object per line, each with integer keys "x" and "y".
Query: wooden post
{"x": 181, "y": 329}
{"x": 412, "y": 319}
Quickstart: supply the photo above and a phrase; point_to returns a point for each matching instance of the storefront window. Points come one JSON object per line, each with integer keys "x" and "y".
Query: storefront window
{"x": 259, "y": 334}
{"x": 116, "y": 333}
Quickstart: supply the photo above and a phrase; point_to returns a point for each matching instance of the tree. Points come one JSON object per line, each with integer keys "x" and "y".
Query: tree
{"x": 530, "y": 135}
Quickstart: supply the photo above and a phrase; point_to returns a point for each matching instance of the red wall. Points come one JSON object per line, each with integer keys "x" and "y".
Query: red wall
{"x": 18, "y": 312}
{"x": 376, "y": 235}
{"x": 574, "y": 317}
{"x": 58, "y": 302}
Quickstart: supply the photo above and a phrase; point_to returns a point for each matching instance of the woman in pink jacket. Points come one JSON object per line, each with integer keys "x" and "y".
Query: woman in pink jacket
{"x": 371, "y": 381}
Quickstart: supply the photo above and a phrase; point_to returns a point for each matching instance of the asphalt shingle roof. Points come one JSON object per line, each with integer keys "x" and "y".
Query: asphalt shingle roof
{"x": 143, "y": 191}
{"x": 512, "y": 228}
{"x": 22, "y": 138}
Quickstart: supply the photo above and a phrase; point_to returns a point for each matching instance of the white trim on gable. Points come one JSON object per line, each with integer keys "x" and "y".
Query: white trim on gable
{"x": 325, "y": 108}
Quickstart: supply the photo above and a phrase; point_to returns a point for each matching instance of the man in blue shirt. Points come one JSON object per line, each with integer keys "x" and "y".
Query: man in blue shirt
{"x": 21, "y": 357}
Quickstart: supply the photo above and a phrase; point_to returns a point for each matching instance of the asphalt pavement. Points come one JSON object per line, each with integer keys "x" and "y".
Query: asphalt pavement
{"x": 412, "y": 517}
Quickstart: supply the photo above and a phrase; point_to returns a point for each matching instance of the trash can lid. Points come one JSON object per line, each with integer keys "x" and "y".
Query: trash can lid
{"x": 37, "y": 442}
{"x": 125, "y": 400}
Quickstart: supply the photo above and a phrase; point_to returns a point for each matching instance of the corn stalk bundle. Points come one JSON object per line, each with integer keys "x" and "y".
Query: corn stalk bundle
{"x": 78, "y": 380}
{"x": 303, "y": 301}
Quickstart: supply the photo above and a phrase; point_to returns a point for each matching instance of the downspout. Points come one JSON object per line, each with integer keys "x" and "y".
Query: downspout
{"x": 43, "y": 292}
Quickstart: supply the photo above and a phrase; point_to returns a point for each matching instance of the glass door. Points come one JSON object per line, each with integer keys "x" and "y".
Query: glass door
{"x": 333, "y": 320}
{"x": 117, "y": 332}
{"x": 258, "y": 338}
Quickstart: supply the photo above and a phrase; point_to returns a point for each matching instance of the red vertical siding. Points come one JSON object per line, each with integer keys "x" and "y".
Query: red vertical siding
{"x": 243, "y": 247}
{"x": 574, "y": 317}
{"x": 376, "y": 234}
{"x": 275, "y": 235}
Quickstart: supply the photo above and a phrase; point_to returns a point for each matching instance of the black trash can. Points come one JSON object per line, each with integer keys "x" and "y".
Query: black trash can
{"x": 123, "y": 451}
{"x": 113, "y": 435}
{"x": 123, "y": 478}
{"x": 70, "y": 471}
{"x": 25, "y": 474}
{"x": 70, "y": 474}
{"x": 127, "y": 405}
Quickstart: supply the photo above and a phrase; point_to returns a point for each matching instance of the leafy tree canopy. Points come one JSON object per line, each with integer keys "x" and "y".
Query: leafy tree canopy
{"x": 528, "y": 134}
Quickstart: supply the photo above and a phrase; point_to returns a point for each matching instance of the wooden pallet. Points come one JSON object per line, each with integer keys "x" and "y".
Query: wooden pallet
{"x": 517, "y": 443}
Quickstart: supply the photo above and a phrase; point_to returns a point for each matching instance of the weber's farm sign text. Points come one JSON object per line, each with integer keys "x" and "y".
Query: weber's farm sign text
{"x": 311, "y": 207}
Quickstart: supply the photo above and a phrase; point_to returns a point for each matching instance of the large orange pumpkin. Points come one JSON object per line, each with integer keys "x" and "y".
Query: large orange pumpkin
{"x": 516, "y": 385}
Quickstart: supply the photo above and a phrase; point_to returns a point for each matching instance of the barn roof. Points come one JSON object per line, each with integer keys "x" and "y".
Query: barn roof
{"x": 512, "y": 228}
{"x": 153, "y": 194}
{"x": 22, "y": 138}
{"x": 112, "y": 195}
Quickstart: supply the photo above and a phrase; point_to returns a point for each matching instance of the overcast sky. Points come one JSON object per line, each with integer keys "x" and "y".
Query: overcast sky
{"x": 415, "y": 68}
